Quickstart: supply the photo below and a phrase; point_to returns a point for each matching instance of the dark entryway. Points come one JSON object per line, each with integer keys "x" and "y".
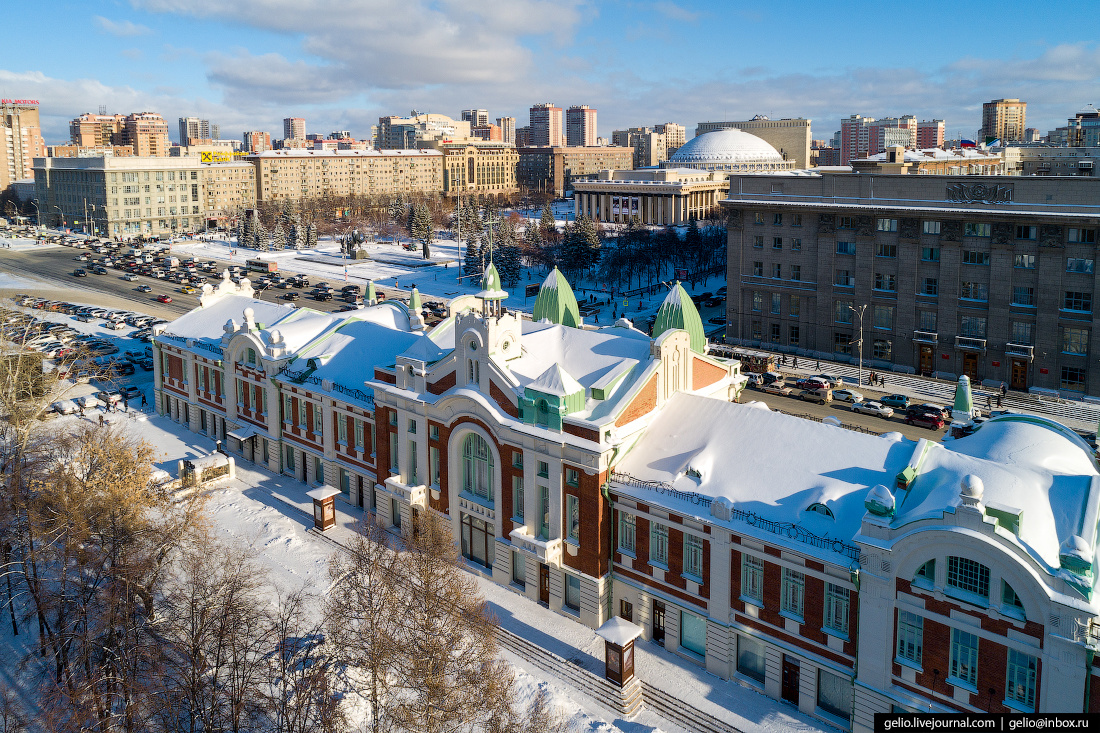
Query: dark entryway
{"x": 970, "y": 365}
{"x": 1018, "y": 378}
{"x": 659, "y": 622}
{"x": 544, "y": 584}
{"x": 790, "y": 679}
{"x": 927, "y": 363}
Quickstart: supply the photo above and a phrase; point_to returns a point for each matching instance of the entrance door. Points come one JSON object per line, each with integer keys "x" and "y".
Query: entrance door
{"x": 359, "y": 501}
{"x": 544, "y": 584}
{"x": 790, "y": 679}
{"x": 926, "y": 354}
{"x": 970, "y": 366}
{"x": 1019, "y": 374}
{"x": 659, "y": 622}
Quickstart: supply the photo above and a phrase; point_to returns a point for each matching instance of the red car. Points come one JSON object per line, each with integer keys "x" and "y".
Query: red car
{"x": 924, "y": 420}
{"x": 164, "y": 298}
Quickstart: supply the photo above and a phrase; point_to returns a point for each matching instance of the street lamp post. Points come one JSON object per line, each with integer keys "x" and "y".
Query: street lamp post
{"x": 859, "y": 311}
{"x": 60, "y": 216}
{"x": 34, "y": 203}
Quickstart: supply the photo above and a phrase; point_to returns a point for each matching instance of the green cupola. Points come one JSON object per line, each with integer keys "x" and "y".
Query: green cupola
{"x": 677, "y": 311}
{"x": 556, "y": 302}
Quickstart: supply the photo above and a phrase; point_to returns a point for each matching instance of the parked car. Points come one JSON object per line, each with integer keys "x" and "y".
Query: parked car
{"x": 754, "y": 380}
{"x": 717, "y": 321}
{"x": 131, "y": 392}
{"x": 898, "y": 401}
{"x": 923, "y": 419}
{"x": 322, "y": 295}
{"x": 820, "y": 396}
{"x": 146, "y": 364}
{"x": 164, "y": 298}
{"x": 847, "y": 395}
{"x": 833, "y": 381}
{"x": 944, "y": 412}
{"x": 770, "y": 377}
{"x": 777, "y": 388}
{"x": 80, "y": 272}
{"x": 872, "y": 408}
{"x": 291, "y": 296}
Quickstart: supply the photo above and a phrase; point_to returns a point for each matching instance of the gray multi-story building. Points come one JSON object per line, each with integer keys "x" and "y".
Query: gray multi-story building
{"x": 989, "y": 276}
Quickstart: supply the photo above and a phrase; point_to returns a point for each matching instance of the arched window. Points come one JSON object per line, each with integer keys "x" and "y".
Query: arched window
{"x": 477, "y": 467}
{"x": 820, "y": 509}
{"x": 542, "y": 416}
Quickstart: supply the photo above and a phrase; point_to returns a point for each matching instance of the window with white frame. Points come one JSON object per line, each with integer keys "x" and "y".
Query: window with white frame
{"x": 910, "y": 636}
{"x": 1081, "y": 265}
{"x": 693, "y": 556}
{"x": 573, "y": 518}
{"x": 968, "y": 575}
{"x": 627, "y": 524}
{"x": 477, "y": 467}
{"x": 658, "y": 543}
{"x": 752, "y": 578}
{"x": 836, "y": 608}
{"x": 887, "y": 225}
{"x": 1020, "y": 687}
{"x": 750, "y": 657}
{"x": 834, "y": 694}
{"x": 358, "y": 435}
{"x": 517, "y": 497}
{"x": 342, "y": 428}
{"x": 931, "y": 227}
{"x": 544, "y": 513}
{"x": 794, "y": 590}
{"x": 964, "y": 657}
{"x": 1025, "y": 262}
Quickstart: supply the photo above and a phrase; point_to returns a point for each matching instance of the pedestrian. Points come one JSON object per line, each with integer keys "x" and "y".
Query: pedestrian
{"x": 1004, "y": 390}
{"x": 882, "y": 381}
{"x": 101, "y": 419}
{"x": 1000, "y": 400}
{"x": 989, "y": 402}
{"x": 794, "y": 362}
{"x": 597, "y": 318}
{"x": 819, "y": 364}
{"x": 125, "y": 404}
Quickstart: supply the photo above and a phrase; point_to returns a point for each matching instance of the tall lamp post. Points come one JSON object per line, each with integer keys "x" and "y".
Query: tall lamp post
{"x": 60, "y": 216}
{"x": 34, "y": 203}
{"x": 859, "y": 311}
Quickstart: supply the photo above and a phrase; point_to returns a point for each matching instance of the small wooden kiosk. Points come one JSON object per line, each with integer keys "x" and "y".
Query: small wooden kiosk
{"x": 324, "y": 506}
{"x": 618, "y": 635}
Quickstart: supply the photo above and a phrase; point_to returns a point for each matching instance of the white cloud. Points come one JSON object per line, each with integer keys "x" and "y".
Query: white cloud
{"x": 675, "y": 12}
{"x": 121, "y": 28}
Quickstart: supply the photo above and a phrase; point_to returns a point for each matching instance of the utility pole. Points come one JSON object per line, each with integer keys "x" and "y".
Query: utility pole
{"x": 859, "y": 311}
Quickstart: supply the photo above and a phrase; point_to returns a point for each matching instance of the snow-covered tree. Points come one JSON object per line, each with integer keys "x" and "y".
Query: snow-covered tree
{"x": 508, "y": 264}
{"x": 311, "y": 236}
{"x": 547, "y": 226}
{"x": 471, "y": 264}
{"x": 259, "y": 234}
{"x": 420, "y": 227}
{"x": 278, "y": 236}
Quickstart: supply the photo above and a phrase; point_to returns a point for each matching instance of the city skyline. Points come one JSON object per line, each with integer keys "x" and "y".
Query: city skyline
{"x": 250, "y": 64}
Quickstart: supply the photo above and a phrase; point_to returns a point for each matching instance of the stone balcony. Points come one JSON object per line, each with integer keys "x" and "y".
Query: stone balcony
{"x": 415, "y": 495}
{"x": 547, "y": 551}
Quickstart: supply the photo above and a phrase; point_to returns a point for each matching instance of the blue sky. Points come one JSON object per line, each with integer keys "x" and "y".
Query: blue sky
{"x": 246, "y": 64}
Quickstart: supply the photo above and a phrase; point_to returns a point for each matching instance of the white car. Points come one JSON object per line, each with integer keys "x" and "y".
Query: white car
{"x": 847, "y": 395}
{"x": 872, "y": 408}
{"x": 64, "y": 407}
{"x": 130, "y": 276}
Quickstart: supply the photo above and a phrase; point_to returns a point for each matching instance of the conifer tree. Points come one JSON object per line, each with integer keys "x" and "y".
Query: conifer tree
{"x": 311, "y": 235}
{"x": 508, "y": 264}
{"x": 278, "y": 236}
{"x": 471, "y": 264}
{"x": 547, "y": 227}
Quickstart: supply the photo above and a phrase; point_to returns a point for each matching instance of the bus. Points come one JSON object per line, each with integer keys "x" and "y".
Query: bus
{"x": 262, "y": 266}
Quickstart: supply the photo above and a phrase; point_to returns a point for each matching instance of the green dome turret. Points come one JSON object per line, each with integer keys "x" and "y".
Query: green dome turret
{"x": 490, "y": 285}
{"x": 556, "y": 302}
{"x": 679, "y": 312}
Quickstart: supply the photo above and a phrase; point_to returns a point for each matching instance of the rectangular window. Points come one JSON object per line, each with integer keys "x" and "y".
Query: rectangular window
{"x": 886, "y": 250}
{"x": 970, "y": 290}
{"x": 972, "y": 327}
{"x": 572, "y": 477}
{"x": 544, "y": 513}
{"x": 517, "y": 498}
{"x": 1020, "y": 687}
{"x": 1075, "y": 341}
{"x": 758, "y": 241}
{"x": 393, "y": 418}
{"x": 358, "y": 435}
{"x": 796, "y": 244}
{"x": 658, "y": 544}
{"x": 973, "y": 257}
{"x": 777, "y": 242}
{"x": 412, "y": 426}
{"x": 926, "y": 321}
{"x": 433, "y": 465}
{"x": 777, "y": 304}
{"x": 1081, "y": 236}
{"x": 318, "y": 471}
{"x": 393, "y": 453}
{"x": 775, "y": 330}
{"x": 842, "y": 311}
{"x": 842, "y": 343}
{"x": 1023, "y": 295}
{"x": 758, "y": 217}
{"x": 288, "y": 409}
{"x": 572, "y": 592}
{"x": 750, "y": 658}
{"x": 756, "y": 330}
{"x": 796, "y": 272}
{"x": 519, "y": 569}
{"x": 834, "y": 694}
{"x": 693, "y": 556}
{"x": 1021, "y": 332}
{"x": 777, "y": 219}
{"x": 977, "y": 230}
{"x": 793, "y": 335}
{"x": 626, "y": 532}
{"x": 887, "y": 225}
{"x": 1026, "y": 262}
{"x": 845, "y": 248}
{"x": 964, "y": 657}
{"x": 1025, "y": 232}
{"x": 517, "y": 459}
{"x": 931, "y": 286}
{"x": 836, "y": 608}
{"x": 1077, "y": 301}
{"x": 886, "y": 281}
{"x": 883, "y": 349}
{"x": 796, "y": 220}
{"x": 302, "y": 414}
{"x": 844, "y": 278}
{"x": 777, "y": 271}
{"x": 884, "y": 316}
{"x": 752, "y": 578}
{"x": 931, "y": 227}
{"x": 910, "y": 636}
{"x": 433, "y": 432}
{"x": 1079, "y": 265}
{"x": 758, "y": 269}
{"x": 794, "y": 305}
{"x": 573, "y": 518}
{"x": 930, "y": 254}
{"x": 693, "y": 633}
{"x": 845, "y": 222}
{"x": 544, "y": 469}
{"x": 968, "y": 575}
{"x": 1073, "y": 378}
{"x": 794, "y": 586}
{"x": 757, "y": 300}
{"x": 342, "y": 428}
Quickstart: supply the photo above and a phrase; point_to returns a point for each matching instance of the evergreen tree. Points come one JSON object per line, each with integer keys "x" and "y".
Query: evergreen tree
{"x": 297, "y": 236}
{"x": 471, "y": 264}
{"x": 243, "y": 231}
{"x": 259, "y": 238}
{"x": 396, "y": 209}
{"x": 587, "y": 241}
{"x": 508, "y": 264}
{"x": 278, "y": 236}
{"x": 420, "y": 227}
{"x": 547, "y": 227}
{"x": 311, "y": 235}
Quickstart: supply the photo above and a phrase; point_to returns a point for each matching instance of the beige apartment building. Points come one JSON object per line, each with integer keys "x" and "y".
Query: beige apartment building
{"x": 295, "y": 174}
{"x": 553, "y": 169}
{"x": 478, "y": 167}
{"x": 226, "y": 189}
{"x": 1004, "y": 119}
{"x": 790, "y": 136}
{"x": 20, "y": 140}
{"x": 145, "y": 132}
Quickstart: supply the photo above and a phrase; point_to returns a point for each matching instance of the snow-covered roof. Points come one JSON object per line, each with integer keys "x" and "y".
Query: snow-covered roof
{"x": 297, "y": 329}
{"x": 205, "y": 323}
{"x": 962, "y": 155}
{"x": 556, "y": 381}
{"x": 726, "y": 146}
{"x": 370, "y": 153}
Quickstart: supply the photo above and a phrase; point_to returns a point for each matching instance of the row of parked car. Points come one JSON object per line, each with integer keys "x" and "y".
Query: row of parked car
{"x": 824, "y": 389}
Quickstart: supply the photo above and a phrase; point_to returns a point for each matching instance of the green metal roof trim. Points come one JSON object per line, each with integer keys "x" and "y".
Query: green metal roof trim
{"x": 679, "y": 312}
{"x": 556, "y": 302}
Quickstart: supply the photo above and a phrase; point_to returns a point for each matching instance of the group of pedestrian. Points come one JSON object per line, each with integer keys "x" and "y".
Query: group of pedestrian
{"x": 874, "y": 378}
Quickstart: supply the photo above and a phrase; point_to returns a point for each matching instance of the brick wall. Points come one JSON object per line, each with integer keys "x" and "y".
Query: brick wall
{"x": 644, "y": 402}
{"x": 443, "y": 384}
{"x": 703, "y": 373}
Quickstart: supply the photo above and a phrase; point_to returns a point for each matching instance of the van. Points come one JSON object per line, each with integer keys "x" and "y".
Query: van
{"x": 820, "y": 396}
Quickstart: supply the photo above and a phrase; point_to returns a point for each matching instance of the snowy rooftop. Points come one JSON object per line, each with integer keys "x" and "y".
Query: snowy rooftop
{"x": 370, "y": 153}
{"x": 205, "y": 323}
{"x": 777, "y": 466}
{"x": 962, "y": 155}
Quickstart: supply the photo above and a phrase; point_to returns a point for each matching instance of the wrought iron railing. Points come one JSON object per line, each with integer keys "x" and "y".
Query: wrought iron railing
{"x": 303, "y": 377}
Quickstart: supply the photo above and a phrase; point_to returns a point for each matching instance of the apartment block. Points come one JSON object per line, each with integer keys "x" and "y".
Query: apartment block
{"x": 294, "y": 128}
{"x": 20, "y": 140}
{"x": 294, "y": 174}
{"x": 580, "y": 126}
{"x": 1004, "y": 119}
{"x": 553, "y": 169}
{"x": 476, "y": 117}
{"x": 547, "y": 128}
{"x": 227, "y": 188}
{"x": 257, "y": 142}
{"x": 507, "y": 127}
{"x": 930, "y": 134}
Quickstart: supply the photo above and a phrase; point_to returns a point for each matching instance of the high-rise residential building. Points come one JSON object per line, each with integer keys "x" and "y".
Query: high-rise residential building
{"x": 196, "y": 128}
{"x": 547, "y": 128}
{"x": 889, "y": 132}
{"x": 790, "y": 136}
{"x": 930, "y": 134}
{"x": 1004, "y": 120}
{"x": 580, "y": 126}
{"x": 855, "y": 138}
{"x": 96, "y": 131}
{"x": 340, "y": 135}
{"x": 487, "y": 132}
{"x": 552, "y": 169}
{"x": 20, "y": 140}
{"x": 146, "y": 133}
{"x": 507, "y": 127}
{"x": 294, "y": 128}
{"x": 523, "y": 136}
{"x": 675, "y": 136}
{"x": 297, "y": 174}
{"x": 476, "y": 117}
{"x": 406, "y": 133}
{"x": 257, "y": 142}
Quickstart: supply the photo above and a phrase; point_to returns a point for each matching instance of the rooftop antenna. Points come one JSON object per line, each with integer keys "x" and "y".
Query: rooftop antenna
{"x": 103, "y": 109}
